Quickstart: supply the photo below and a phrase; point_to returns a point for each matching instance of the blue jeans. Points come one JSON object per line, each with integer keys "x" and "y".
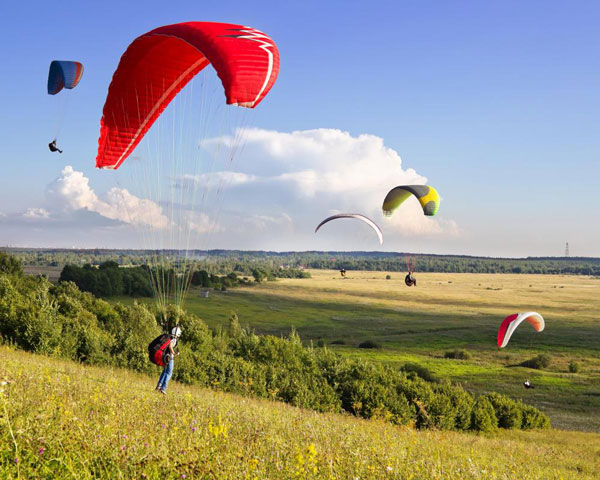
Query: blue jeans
{"x": 165, "y": 376}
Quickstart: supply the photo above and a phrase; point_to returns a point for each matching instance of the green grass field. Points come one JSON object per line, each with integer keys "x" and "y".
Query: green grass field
{"x": 62, "y": 420}
{"x": 444, "y": 312}
{"x": 53, "y": 273}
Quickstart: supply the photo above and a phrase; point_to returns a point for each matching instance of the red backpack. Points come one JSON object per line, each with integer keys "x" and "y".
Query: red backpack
{"x": 158, "y": 350}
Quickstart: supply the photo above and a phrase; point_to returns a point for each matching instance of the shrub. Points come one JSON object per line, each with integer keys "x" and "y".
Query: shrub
{"x": 458, "y": 354}
{"x": 234, "y": 330}
{"x": 538, "y": 362}
{"x": 483, "y": 417}
{"x": 259, "y": 275}
{"x": 371, "y": 390}
{"x": 442, "y": 413}
{"x": 421, "y": 395}
{"x": 10, "y": 264}
{"x": 388, "y": 277}
{"x": 419, "y": 371}
{"x": 508, "y": 412}
{"x": 338, "y": 342}
{"x": 462, "y": 403}
{"x": 369, "y": 344}
{"x": 574, "y": 367}
{"x": 533, "y": 418}
{"x": 138, "y": 329}
{"x": 42, "y": 327}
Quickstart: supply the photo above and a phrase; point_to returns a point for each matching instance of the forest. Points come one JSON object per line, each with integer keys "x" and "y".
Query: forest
{"x": 291, "y": 264}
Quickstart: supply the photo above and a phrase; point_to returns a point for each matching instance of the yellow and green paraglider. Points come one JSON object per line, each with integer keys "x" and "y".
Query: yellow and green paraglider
{"x": 428, "y": 198}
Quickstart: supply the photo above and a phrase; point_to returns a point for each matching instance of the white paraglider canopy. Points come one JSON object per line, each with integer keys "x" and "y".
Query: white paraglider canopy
{"x": 510, "y": 324}
{"x": 358, "y": 216}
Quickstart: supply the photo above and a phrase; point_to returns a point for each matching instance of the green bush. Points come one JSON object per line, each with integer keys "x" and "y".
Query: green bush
{"x": 508, "y": 412}
{"x": 574, "y": 367}
{"x": 10, "y": 265}
{"x": 338, "y": 342}
{"x": 370, "y": 390}
{"x": 458, "y": 354}
{"x": 138, "y": 329}
{"x": 483, "y": 417}
{"x": 538, "y": 362}
{"x": 42, "y": 328}
{"x": 462, "y": 404}
{"x": 259, "y": 275}
{"x": 419, "y": 371}
{"x": 369, "y": 344}
{"x": 533, "y": 418}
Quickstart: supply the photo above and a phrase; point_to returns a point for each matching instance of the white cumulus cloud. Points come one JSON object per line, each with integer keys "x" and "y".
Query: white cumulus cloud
{"x": 310, "y": 173}
{"x": 197, "y": 223}
{"x": 263, "y": 223}
{"x": 71, "y": 191}
{"x": 214, "y": 179}
{"x": 36, "y": 213}
{"x": 270, "y": 197}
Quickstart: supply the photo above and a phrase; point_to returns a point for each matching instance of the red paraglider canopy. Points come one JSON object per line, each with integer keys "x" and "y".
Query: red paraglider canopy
{"x": 158, "y": 64}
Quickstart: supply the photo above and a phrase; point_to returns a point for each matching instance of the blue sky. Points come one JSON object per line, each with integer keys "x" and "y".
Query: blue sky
{"x": 497, "y": 104}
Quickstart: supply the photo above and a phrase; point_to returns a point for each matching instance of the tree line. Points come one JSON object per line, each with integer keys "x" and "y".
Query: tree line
{"x": 109, "y": 279}
{"x": 292, "y": 264}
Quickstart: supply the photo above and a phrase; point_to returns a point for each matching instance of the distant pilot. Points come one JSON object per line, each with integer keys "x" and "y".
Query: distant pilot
{"x": 53, "y": 148}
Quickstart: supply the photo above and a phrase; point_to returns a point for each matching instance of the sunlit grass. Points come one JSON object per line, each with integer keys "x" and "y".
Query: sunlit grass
{"x": 64, "y": 420}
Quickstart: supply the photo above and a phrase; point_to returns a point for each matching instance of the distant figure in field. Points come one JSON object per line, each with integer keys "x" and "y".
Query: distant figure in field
{"x": 167, "y": 372}
{"x": 53, "y": 148}
{"x": 343, "y": 272}
{"x": 410, "y": 280}
{"x": 527, "y": 384}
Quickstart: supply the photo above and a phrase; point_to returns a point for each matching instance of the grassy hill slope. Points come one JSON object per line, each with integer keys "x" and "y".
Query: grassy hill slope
{"x": 59, "y": 419}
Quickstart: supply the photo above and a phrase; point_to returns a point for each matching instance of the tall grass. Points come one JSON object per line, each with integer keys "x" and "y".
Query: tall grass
{"x": 63, "y": 420}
